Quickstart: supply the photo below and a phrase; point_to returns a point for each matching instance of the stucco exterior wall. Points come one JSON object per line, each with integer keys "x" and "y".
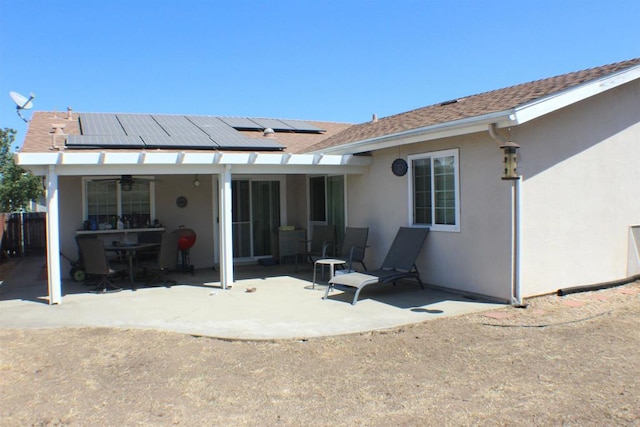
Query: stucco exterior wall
{"x": 580, "y": 191}
{"x": 70, "y": 214}
{"x": 477, "y": 259}
{"x": 197, "y": 215}
{"x": 297, "y": 201}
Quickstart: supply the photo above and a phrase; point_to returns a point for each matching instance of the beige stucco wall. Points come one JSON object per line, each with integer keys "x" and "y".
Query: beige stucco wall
{"x": 580, "y": 191}
{"x": 297, "y": 201}
{"x": 476, "y": 259}
{"x": 197, "y": 215}
{"x": 70, "y": 205}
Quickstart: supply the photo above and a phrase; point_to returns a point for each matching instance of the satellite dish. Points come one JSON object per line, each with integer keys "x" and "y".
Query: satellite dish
{"x": 22, "y": 103}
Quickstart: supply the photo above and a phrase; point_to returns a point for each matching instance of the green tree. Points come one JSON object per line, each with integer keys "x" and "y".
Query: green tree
{"x": 17, "y": 186}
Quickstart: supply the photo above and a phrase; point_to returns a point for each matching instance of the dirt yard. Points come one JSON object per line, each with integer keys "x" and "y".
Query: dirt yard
{"x": 571, "y": 361}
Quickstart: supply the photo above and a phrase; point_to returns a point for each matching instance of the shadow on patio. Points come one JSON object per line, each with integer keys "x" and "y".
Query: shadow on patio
{"x": 283, "y": 304}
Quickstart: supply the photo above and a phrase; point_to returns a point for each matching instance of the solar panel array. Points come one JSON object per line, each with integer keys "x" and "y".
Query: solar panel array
{"x": 102, "y": 130}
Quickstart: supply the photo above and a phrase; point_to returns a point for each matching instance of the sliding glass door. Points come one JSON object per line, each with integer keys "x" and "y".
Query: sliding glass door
{"x": 327, "y": 202}
{"x": 255, "y": 217}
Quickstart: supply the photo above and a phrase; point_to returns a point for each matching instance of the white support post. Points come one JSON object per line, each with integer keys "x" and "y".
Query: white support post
{"x": 215, "y": 221}
{"x": 53, "y": 238}
{"x": 226, "y": 237}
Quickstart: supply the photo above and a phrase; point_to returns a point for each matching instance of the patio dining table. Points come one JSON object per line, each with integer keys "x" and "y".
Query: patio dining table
{"x": 130, "y": 249}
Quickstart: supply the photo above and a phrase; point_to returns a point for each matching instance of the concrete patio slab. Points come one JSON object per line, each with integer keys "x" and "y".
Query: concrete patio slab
{"x": 283, "y": 305}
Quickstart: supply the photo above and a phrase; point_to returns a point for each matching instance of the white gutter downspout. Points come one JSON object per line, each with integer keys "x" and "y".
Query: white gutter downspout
{"x": 53, "y": 238}
{"x": 516, "y": 299}
{"x": 516, "y": 294}
{"x": 226, "y": 233}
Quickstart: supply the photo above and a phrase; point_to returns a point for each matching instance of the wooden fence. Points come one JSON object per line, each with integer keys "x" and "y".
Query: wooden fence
{"x": 24, "y": 234}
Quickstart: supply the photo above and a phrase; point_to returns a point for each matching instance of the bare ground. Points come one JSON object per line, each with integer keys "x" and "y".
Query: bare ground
{"x": 570, "y": 361}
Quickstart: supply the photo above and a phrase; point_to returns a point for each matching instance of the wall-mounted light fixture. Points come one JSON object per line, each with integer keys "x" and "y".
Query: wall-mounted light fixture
{"x": 510, "y": 150}
{"x": 196, "y": 181}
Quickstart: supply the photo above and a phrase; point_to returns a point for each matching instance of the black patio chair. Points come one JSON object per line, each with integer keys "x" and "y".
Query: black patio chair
{"x": 96, "y": 264}
{"x": 320, "y": 245}
{"x": 167, "y": 261}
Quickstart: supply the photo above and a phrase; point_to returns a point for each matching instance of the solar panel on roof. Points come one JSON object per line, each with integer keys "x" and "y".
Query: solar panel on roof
{"x": 100, "y": 124}
{"x": 218, "y": 130}
{"x": 106, "y": 141}
{"x": 183, "y": 141}
{"x": 176, "y": 125}
{"x": 140, "y": 124}
{"x": 278, "y": 125}
{"x": 302, "y": 126}
{"x": 243, "y": 123}
{"x": 274, "y": 124}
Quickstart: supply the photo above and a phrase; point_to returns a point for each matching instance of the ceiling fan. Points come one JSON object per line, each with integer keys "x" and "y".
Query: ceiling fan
{"x": 126, "y": 181}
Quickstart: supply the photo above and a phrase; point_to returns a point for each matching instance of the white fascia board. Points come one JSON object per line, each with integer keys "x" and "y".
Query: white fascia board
{"x": 427, "y": 133}
{"x": 111, "y": 158}
{"x": 36, "y": 159}
{"x": 148, "y": 158}
{"x": 107, "y": 163}
{"x": 81, "y": 158}
{"x": 201, "y": 158}
{"x": 540, "y": 107}
{"x": 298, "y": 170}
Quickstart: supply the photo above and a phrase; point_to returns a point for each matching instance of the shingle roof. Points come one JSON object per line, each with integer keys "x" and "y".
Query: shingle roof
{"x": 471, "y": 106}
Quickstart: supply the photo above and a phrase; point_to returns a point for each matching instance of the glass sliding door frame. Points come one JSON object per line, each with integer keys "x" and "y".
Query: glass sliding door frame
{"x": 327, "y": 202}
{"x": 246, "y": 226}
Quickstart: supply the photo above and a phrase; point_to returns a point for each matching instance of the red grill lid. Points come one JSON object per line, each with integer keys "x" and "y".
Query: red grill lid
{"x": 186, "y": 238}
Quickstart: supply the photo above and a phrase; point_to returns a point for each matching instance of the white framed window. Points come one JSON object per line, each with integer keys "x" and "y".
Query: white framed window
{"x": 434, "y": 190}
{"x": 104, "y": 201}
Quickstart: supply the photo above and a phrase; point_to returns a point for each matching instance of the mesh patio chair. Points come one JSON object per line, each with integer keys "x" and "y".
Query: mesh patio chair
{"x": 400, "y": 263}
{"x": 167, "y": 261}
{"x": 354, "y": 246}
{"x": 320, "y": 245}
{"x": 96, "y": 264}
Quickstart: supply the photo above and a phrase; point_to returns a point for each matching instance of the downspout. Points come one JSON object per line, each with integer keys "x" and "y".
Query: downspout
{"x": 516, "y": 294}
{"x": 517, "y": 300}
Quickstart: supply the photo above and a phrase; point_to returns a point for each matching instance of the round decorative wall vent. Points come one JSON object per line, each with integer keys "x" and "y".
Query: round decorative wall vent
{"x": 181, "y": 201}
{"x": 399, "y": 167}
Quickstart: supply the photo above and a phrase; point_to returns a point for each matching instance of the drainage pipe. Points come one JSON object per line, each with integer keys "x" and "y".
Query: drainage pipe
{"x": 598, "y": 286}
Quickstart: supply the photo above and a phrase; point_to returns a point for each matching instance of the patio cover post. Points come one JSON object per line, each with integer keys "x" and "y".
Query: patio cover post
{"x": 53, "y": 238}
{"x": 226, "y": 233}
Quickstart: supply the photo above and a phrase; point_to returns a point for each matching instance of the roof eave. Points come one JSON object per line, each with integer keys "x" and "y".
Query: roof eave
{"x": 427, "y": 133}
{"x": 540, "y": 107}
{"x": 512, "y": 117}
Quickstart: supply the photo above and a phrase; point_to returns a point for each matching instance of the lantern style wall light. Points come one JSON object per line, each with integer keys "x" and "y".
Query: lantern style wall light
{"x": 510, "y": 150}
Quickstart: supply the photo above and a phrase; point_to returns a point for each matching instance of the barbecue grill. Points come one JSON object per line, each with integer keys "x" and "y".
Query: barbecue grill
{"x": 186, "y": 239}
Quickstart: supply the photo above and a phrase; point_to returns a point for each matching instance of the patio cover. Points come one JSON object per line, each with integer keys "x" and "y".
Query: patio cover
{"x": 220, "y": 165}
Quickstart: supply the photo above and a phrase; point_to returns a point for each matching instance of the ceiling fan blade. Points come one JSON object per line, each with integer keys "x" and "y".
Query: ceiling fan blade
{"x": 106, "y": 180}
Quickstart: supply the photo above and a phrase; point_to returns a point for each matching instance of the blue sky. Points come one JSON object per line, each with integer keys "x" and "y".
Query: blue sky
{"x": 330, "y": 60}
